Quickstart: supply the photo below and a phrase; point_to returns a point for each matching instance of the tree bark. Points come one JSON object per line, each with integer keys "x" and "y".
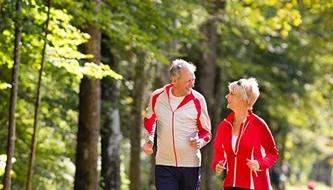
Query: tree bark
{"x": 210, "y": 86}
{"x": 110, "y": 129}
{"x": 13, "y": 97}
{"x": 135, "y": 132}
{"x": 86, "y": 177}
{"x": 207, "y": 72}
{"x": 38, "y": 99}
{"x": 87, "y": 136}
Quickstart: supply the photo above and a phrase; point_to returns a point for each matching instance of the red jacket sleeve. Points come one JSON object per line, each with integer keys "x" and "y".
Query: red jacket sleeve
{"x": 149, "y": 121}
{"x": 269, "y": 145}
{"x": 219, "y": 152}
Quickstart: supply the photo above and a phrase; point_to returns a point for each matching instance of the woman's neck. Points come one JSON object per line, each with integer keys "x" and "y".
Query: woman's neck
{"x": 240, "y": 116}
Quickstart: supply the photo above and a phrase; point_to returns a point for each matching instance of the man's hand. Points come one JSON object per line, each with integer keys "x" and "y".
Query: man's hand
{"x": 195, "y": 142}
{"x": 148, "y": 148}
{"x": 220, "y": 167}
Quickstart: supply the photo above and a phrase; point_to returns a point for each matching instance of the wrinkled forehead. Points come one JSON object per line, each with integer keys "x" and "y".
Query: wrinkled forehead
{"x": 186, "y": 73}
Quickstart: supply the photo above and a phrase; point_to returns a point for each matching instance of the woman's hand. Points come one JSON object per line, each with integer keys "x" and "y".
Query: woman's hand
{"x": 253, "y": 165}
{"x": 220, "y": 167}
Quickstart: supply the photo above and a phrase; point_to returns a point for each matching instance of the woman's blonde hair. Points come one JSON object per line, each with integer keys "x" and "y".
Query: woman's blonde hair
{"x": 247, "y": 89}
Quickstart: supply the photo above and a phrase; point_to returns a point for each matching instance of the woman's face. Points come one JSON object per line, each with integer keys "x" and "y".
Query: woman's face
{"x": 235, "y": 101}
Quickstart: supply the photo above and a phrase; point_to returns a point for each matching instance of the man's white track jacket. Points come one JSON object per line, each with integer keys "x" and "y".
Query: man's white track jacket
{"x": 175, "y": 128}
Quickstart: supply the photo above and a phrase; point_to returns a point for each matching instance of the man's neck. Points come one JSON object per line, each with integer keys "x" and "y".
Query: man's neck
{"x": 176, "y": 93}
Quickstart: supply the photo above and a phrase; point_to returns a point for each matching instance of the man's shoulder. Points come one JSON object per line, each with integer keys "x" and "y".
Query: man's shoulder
{"x": 198, "y": 95}
{"x": 160, "y": 90}
{"x": 157, "y": 91}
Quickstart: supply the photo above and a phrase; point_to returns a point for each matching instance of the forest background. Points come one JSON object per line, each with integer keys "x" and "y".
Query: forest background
{"x": 75, "y": 78}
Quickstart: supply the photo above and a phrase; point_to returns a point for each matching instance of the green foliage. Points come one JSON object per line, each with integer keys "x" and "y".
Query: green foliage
{"x": 4, "y": 86}
{"x": 286, "y": 45}
{"x": 3, "y": 159}
{"x": 54, "y": 165}
{"x": 6, "y": 49}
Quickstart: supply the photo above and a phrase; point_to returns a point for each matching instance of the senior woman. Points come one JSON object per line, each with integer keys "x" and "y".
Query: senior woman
{"x": 244, "y": 145}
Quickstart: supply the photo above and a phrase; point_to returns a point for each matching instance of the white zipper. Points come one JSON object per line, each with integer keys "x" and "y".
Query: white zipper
{"x": 251, "y": 176}
{"x": 235, "y": 171}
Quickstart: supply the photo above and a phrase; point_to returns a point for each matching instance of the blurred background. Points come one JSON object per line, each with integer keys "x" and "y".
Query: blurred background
{"x": 75, "y": 79}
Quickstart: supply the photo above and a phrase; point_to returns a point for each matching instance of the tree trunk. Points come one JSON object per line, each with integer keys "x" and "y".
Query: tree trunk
{"x": 135, "y": 133}
{"x": 86, "y": 177}
{"x": 110, "y": 128}
{"x": 38, "y": 98}
{"x": 210, "y": 86}
{"x": 87, "y": 136}
{"x": 207, "y": 71}
{"x": 13, "y": 97}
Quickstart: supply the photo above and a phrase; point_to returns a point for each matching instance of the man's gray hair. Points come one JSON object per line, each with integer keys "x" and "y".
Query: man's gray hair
{"x": 178, "y": 65}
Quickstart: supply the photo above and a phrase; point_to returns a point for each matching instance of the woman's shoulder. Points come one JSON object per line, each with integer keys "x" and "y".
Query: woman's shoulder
{"x": 226, "y": 122}
{"x": 258, "y": 121}
{"x": 223, "y": 127}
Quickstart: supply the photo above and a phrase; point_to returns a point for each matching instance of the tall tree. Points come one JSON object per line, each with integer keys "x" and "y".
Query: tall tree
{"x": 13, "y": 97}
{"x": 110, "y": 127}
{"x": 135, "y": 131}
{"x": 86, "y": 177}
{"x": 209, "y": 83}
{"x": 37, "y": 102}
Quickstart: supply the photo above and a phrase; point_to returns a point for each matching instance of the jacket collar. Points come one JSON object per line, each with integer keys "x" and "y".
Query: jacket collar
{"x": 231, "y": 116}
{"x": 187, "y": 98}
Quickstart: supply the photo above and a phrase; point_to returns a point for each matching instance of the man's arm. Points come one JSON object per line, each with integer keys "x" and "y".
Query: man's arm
{"x": 204, "y": 124}
{"x": 150, "y": 123}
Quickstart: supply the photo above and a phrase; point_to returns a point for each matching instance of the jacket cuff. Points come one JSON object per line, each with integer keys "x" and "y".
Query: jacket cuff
{"x": 149, "y": 138}
{"x": 202, "y": 143}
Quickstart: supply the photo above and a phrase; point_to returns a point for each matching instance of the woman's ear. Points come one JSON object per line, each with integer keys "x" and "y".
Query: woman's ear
{"x": 173, "y": 80}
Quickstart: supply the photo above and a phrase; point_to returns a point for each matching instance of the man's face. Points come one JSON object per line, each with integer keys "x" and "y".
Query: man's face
{"x": 185, "y": 82}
